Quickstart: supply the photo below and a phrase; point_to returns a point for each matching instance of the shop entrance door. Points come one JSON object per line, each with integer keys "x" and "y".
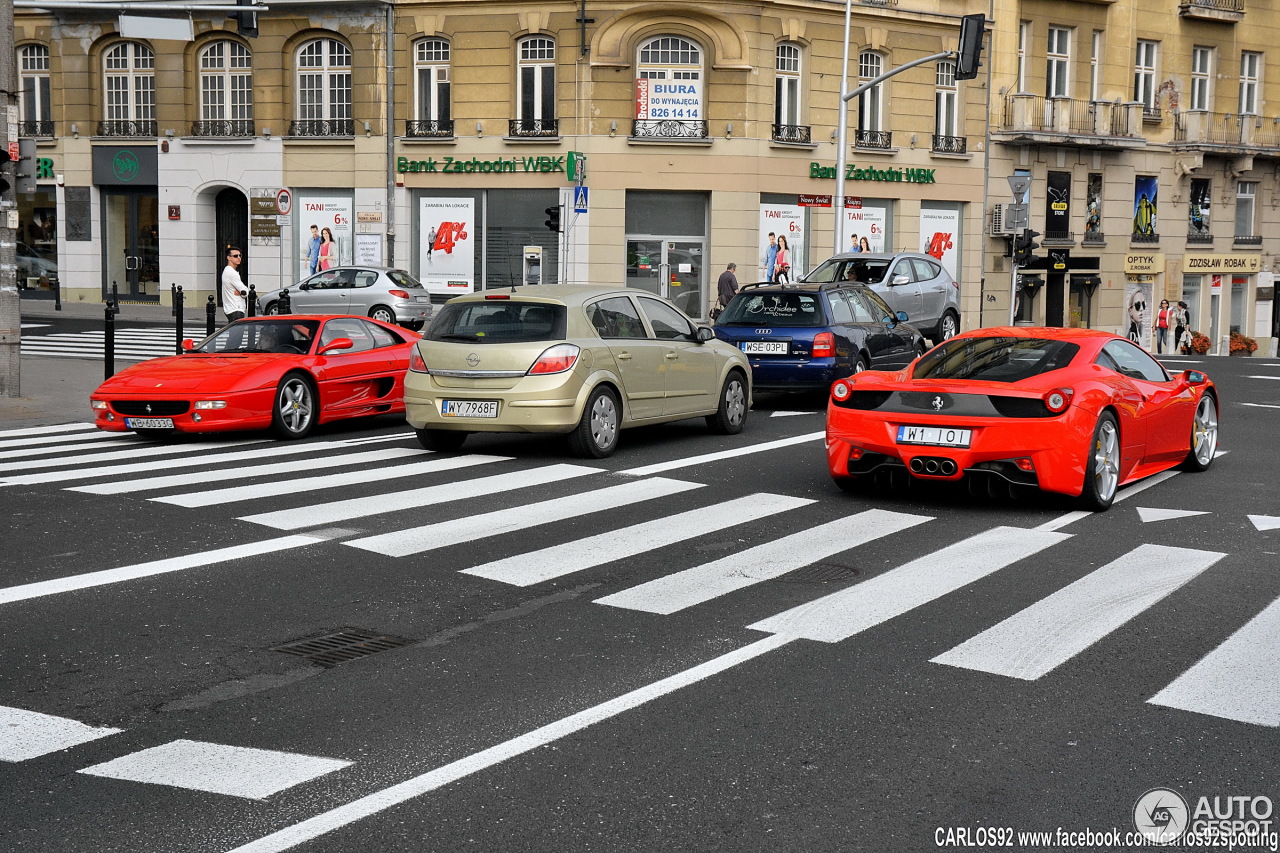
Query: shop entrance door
{"x": 131, "y": 245}
{"x": 671, "y": 267}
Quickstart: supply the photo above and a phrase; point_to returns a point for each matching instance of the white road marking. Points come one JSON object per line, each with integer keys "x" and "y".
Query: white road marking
{"x": 47, "y": 446}
{"x": 1057, "y": 628}
{"x": 236, "y": 771}
{"x": 1124, "y": 494}
{"x": 379, "y": 801}
{"x": 1149, "y": 514}
{"x": 1239, "y": 680}
{"x": 139, "y": 452}
{"x": 792, "y": 414}
{"x": 1260, "y": 405}
{"x": 255, "y": 491}
{"x": 842, "y": 614}
{"x": 675, "y": 592}
{"x": 1262, "y": 377}
{"x": 43, "y": 430}
{"x": 237, "y": 472}
{"x": 415, "y": 540}
{"x": 8, "y": 595}
{"x": 29, "y": 734}
{"x": 688, "y": 461}
{"x": 336, "y": 512}
{"x": 544, "y": 564}
{"x": 1265, "y": 522}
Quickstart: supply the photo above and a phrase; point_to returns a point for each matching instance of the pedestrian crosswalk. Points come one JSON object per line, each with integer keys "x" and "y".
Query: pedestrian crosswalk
{"x": 413, "y": 502}
{"x": 137, "y": 344}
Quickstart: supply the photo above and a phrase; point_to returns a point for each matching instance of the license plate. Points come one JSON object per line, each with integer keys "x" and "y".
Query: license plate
{"x": 469, "y": 408}
{"x": 422, "y": 299}
{"x": 936, "y": 436}
{"x": 149, "y": 423}
{"x": 765, "y": 347}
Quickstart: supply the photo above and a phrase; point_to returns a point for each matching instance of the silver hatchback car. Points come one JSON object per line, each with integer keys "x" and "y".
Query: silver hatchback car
{"x": 389, "y": 295}
{"x": 909, "y": 281}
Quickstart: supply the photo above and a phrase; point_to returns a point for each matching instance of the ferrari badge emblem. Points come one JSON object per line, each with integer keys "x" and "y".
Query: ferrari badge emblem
{"x": 938, "y": 403}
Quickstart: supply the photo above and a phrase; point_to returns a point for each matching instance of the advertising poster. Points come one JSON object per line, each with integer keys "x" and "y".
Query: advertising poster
{"x": 662, "y": 100}
{"x": 331, "y": 214}
{"x": 1057, "y": 212}
{"x": 784, "y": 220}
{"x": 1144, "y": 204}
{"x": 865, "y": 228}
{"x": 1138, "y": 311}
{"x": 940, "y": 236}
{"x": 447, "y": 249}
{"x": 1093, "y": 204}
{"x": 1198, "y": 210}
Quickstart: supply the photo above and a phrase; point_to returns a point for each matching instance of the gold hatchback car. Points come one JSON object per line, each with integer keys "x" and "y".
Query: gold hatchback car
{"x": 579, "y": 360}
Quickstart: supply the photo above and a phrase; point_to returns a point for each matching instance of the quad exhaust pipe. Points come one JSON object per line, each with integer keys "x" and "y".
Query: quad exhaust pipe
{"x": 933, "y": 466}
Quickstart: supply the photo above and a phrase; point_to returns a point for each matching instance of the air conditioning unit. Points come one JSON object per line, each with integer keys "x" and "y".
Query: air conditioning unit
{"x": 1001, "y": 221}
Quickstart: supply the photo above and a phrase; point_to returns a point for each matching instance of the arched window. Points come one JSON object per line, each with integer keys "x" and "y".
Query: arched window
{"x": 536, "y": 88}
{"x": 433, "y": 115}
{"x": 129, "y": 90}
{"x": 871, "y": 133}
{"x": 226, "y": 90}
{"x": 787, "y": 126}
{"x": 669, "y": 92}
{"x": 34, "y": 100}
{"x": 324, "y": 89}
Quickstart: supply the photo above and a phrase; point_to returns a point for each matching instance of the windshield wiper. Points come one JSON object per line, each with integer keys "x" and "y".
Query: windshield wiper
{"x": 458, "y": 337}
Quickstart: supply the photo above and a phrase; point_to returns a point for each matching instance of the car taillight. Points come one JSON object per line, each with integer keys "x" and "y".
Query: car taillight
{"x": 417, "y": 363}
{"x": 399, "y": 294}
{"x": 556, "y": 359}
{"x": 824, "y": 345}
{"x": 841, "y": 390}
{"x": 1058, "y": 400}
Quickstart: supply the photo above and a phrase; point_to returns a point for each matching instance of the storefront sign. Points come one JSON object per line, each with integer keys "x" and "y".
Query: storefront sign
{"x": 368, "y": 216}
{"x": 1221, "y": 263}
{"x": 853, "y": 173}
{"x": 680, "y": 100}
{"x": 1143, "y": 263}
{"x": 813, "y": 200}
{"x": 1057, "y": 214}
{"x": 262, "y": 206}
{"x": 125, "y": 166}
{"x": 260, "y": 226}
{"x": 474, "y": 165}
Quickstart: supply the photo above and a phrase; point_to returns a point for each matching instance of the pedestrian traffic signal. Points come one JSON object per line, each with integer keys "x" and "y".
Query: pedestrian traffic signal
{"x": 24, "y": 172}
{"x": 1024, "y": 246}
{"x": 553, "y": 218}
{"x": 969, "y": 53}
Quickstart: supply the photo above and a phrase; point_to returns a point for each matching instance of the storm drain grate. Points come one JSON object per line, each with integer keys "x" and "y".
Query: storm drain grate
{"x": 342, "y": 645}
{"x": 819, "y": 573}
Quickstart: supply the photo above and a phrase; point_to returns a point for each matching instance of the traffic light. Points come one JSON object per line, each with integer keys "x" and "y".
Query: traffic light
{"x": 4, "y": 179}
{"x": 553, "y": 218}
{"x": 969, "y": 52}
{"x": 246, "y": 19}
{"x": 25, "y": 172}
{"x": 1024, "y": 246}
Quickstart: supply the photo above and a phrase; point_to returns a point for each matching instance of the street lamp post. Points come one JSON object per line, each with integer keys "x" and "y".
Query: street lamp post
{"x": 842, "y": 134}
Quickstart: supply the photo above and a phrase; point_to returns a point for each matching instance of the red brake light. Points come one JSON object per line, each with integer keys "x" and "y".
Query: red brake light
{"x": 398, "y": 294}
{"x": 1058, "y": 400}
{"x": 497, "y": 296}
{"x": 556, "y": 359}
{"x": 416, "y": 362}
{"x": 841, "y": 390}
{"x": 824, "y": 345}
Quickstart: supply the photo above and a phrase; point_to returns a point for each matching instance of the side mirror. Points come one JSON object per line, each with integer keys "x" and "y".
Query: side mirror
{"x": 1194, "y": 377}
{"x": 188, "y": 345}
{"x": 304, "y": 286}
{"x": 704, "y": 334}
{"x": 336, "y": 344}
{"x": 902, "y": 317}
{"x": 899, "y": 279}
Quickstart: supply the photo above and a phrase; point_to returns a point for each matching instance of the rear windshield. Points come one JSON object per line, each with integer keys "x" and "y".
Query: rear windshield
{"x": 774, "y": 309}
{"x": 403, "y": 279}
{"x": 868, "y": 270}
{"x": 995, "y": 359}
{"x": 498, "y": 321}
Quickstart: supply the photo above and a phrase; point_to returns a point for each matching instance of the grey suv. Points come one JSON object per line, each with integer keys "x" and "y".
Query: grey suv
{"x": 909, "y": 281}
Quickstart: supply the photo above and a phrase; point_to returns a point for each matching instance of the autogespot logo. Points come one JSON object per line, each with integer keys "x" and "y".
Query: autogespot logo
{"x": 1161, "y": 815}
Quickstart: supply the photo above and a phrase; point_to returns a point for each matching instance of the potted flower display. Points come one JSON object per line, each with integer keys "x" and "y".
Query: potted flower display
{"x": 1199, "y": 343}
{"x": 1242, "y": 345}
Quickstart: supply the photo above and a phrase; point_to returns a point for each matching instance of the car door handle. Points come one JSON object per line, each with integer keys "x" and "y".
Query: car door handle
{"x": 623, "y": 356}
{"x": 673, "y": 355}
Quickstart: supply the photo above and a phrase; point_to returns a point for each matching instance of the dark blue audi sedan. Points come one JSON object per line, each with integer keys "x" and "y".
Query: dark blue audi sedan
{"x": 803, "y": 337}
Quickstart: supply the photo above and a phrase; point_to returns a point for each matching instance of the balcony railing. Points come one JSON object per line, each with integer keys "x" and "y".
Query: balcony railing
{"x": 1137, "y": 237}
{"x": 950, "y": 144}
{"x": 1247, "y": 240}
{"x": 668, "y": 129}
{"x": 1024, "y": 113}
{"x": 1199, "y": 238}
{"x": 1220, "y": 5}
{"x": 224, "y": 129}
{"x": 1059, "y": 237}
{"x": 533, "y": 128}
{"x": 127, "y": 128}
{"x": 35, "y": 128}
{"x": 1094, "y": 237}
{"x": 791, "y": 133}
{"x": 1211, "y": 128}
{"x": 881, "y": 139}
{"x": 435, "y": 128}
{"x": 1231, "y": 11}
{"x": 322, "y": 127}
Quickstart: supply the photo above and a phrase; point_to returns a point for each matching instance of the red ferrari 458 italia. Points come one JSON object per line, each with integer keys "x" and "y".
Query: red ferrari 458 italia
{"x": 1074, "y": 411}
{"x": 286, "y": 372}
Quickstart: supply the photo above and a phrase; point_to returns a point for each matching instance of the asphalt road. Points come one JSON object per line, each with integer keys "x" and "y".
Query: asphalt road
{"x": 714, "y": 650}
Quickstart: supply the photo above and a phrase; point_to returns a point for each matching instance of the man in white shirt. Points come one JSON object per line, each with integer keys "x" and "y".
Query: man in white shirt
{"x": 233, "y": 291}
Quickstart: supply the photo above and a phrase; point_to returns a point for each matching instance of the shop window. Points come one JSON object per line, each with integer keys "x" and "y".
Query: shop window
{"x": 433, "y": 115}
{"x": 34, "y": 99}
{"x": 536, "y": 88}
{"x": 226, "y": 91}
{"x": 871, "y": 132}
{"x": 129, "y": 91}
{"x": 323, "y": 90}
{"x": 675, "y": 93}
{"x": 786, "y": 96}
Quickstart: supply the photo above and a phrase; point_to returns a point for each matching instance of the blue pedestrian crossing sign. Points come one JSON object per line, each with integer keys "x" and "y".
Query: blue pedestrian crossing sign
{"x": 579, "y": 199}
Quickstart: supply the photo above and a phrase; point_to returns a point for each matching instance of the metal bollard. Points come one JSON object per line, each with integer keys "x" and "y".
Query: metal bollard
{"x": 57, "y": 296}
{"x": 210, "y": 312}
{"x": 109, "y": 333}
{"x": 252, "y": 301}
{"x": 178, "y": 308}
{"x": 282, "y": 305}
{"x": 173, "y": 304}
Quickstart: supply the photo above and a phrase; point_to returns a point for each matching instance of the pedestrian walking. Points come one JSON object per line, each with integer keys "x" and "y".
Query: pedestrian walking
{"x": 233, "y": 291}
{"x": 1164, "y": 321}
{"x": 726, "y": 289}
{"x": 1181, "y": 332}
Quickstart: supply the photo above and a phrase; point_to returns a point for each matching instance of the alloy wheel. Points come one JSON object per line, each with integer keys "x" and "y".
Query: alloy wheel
{"x": 1204, "y": 431}
{"x": 296, "y": 405}
{"x": 1106, "y": 460}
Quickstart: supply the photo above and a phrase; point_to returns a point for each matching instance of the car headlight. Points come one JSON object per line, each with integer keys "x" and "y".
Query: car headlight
{"x": 211, "y": 404}
{"x": 97, "y": 404}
